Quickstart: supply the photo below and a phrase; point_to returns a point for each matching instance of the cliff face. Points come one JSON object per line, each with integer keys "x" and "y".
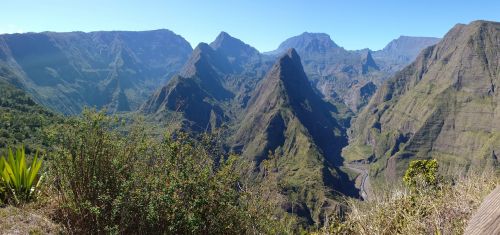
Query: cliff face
{"x": 116, "y": 70}
{"x": 402, "y": 51}
{"x": 445, "y": 105}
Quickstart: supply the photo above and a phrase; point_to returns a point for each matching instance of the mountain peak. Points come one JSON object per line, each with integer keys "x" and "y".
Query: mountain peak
{"x": 204, "y": 58}
{"x": 484, "y": 24}
{"x": 202, "y": 47}
{"x": 226, "y": 42}
{"x": 222, "y": 38}
{"x": 287, "y": 117}
{"x": 292, "y": 56}
{"x": 403, "y": 50}
{"x": 318, "y": 36}
{"x": 233, "y": 48}
{"x": 368, "y": 63}
{"x": 307, "y": 42}
{"x": 410, "y": 43}
{"x": 288, "y": 68}
{"x": 292, "y": 53}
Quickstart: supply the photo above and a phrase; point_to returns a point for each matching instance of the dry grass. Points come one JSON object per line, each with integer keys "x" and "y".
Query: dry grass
{"x": 26, "y": 220}
{"x": 401, "y": 211}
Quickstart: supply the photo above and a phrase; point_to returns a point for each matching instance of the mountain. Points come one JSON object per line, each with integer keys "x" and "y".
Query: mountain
{"x": 195, "y": 91}
{"x": 213, "y": 86}
{"x": 264, "y": 106}
{"x": 307, "y": 42}
{"x": 402, "y": 51}
{"x": 338, "y": 74}
{"x": 116, "y": 70}
{"x": 444, "y": 105}
{"x": 285, "y": 94}
{"x": 235, "y": 50}
{"x": 333, "y": 70}
{"x": 287, "y": 117}
{"x": 368, "y": 64}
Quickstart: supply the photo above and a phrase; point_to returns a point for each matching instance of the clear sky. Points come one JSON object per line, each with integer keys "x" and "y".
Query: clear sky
{"x": 353, "y": 24}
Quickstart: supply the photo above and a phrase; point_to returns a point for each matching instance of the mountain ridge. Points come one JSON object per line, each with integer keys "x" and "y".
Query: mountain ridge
{"x": 339, "y": 73}
{"x": 443, "y": 106}
{"x": 287, "y": 118}
{"x": 66, "y": 71}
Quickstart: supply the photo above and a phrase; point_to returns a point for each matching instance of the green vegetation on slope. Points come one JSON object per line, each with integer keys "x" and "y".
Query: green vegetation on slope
{"x": 286, "y": 117}
{"x": 22, "y": 121}
{"x": 443, "y": 106}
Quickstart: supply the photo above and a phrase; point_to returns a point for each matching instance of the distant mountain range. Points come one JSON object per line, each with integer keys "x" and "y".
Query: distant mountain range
{"x": 350, "y": 75}
{"x": 402, "y": 51}
{"x": 118, "y": 70}
{"x": 67, "y": 71}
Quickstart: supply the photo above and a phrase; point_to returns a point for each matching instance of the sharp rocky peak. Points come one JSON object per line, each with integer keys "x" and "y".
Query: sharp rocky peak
{"x": 287, "y": 64}
{"x": 292, "y": 56}
{"x": 231, "y": 45}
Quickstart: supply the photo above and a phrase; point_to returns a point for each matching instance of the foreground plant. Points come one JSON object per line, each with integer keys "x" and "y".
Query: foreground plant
{"x": 111, "y": 183}
{"x": 19, "y": 182}
{"x": 422, "y": 175}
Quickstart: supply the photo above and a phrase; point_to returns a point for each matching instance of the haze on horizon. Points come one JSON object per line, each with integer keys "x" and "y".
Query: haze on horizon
{"x": 262, "y": 24}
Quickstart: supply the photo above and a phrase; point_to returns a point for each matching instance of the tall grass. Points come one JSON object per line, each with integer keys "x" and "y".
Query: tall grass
{"x": 445, "y": 210}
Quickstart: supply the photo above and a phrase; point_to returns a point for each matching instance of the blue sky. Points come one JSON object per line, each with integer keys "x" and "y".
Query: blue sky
{"x": 263, "y": 24}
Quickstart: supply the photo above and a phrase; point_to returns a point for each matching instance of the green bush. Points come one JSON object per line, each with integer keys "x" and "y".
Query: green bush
{"x": 111, "y": 182}
{"x": 19, "y": 182}
{"x": 422, "y": 174}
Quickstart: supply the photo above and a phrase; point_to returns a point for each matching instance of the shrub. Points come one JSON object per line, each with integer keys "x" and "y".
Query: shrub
{"x": 422, "y": 174}
{"x": 19, "y": 182}
{"x": 110, "y": 182}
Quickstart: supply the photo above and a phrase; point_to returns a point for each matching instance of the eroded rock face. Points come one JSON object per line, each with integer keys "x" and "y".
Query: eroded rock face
{"x": 360, "y": 95}
{"x": 445, "y": 105}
